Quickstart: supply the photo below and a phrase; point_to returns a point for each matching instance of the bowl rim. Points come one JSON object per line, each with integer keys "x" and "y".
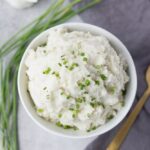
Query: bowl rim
{"x": 132, "y": 69}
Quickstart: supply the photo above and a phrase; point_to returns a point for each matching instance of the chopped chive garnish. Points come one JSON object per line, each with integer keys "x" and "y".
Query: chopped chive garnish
{"x": 60, "y": 64}
{"x": 79, "y": 100}
{"x": 71, "y": 109}
{"x": 97, "y": 82}
{"x": 96, "y": 104}
{"x": 111, "y": 89}
{"x": 87, "y": 82}
{"x": 73, "y": 66}
{"x": 97, "y": 66}
{"x": 43, "y": 45}
{"x": 62, "y": 56}
{"x": 65, "y": 62}
{"x": 62, "y": 93}
{"x": 92, "y": 128}
{"x": 86, "y": 92}
{"x": 93, "y": 104}
{"x": 73, "y": 52}
{"x": 81, "y": 86}
{"x": 110, "y": 117}
{"x": 56, "y": 74}
{"x": 68, "y": 96}
{"x": 85, "y": 59}
{"x": 101, "y": 104}
{"x": 124, "y": 92}
{"x": 59, "y": 115}
{"x": 75, "y": 113}
{"x": 67, "y": 127}
{"x": 82, "y": 54}
{"x": 84, "y": 99}
{"x": 44, "y": 88}
{"x": 47, "y": 71}
{"x": 115, "y": 110}
{"x": 40, "y": 110}
{"x": 122, "y": 103}
{"x": 47, "y": 96}
{"x": 59, "y": 124}
{"x": 84, "y": 84}
{"x": 77, "y": 106}
{"x": 103, "y": 77}
{"x": 93, "y": 98}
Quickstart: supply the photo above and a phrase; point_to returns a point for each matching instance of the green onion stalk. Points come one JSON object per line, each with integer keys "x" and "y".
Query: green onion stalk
{"x": 57, "y": 13}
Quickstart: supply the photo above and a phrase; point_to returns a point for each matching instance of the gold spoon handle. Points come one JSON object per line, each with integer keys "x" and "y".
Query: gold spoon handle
{"x": 123, "y": 131}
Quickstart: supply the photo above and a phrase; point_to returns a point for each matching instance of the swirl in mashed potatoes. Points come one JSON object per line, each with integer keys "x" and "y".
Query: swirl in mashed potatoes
{"x": 76, "y": 80}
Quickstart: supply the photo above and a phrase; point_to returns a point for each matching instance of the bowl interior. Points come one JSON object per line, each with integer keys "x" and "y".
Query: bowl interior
{"x": 131, "y": 87}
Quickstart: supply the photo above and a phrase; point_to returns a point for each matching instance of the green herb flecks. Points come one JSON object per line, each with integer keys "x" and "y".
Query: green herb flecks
{"x": 60, "y": 64}
{"x": 47, "y": 71}
{"x": 122, "y": 103}
{"x": 62, "y": 93}
{"x": 86, "y": 92}
{"x": 75, "y": 113}
{"x": 124, "y": 92}
{"x": 111, "y": 89}
{"x": 79, "y": 100}
{"x": 65, "y": 94}
{"x": 81, "y": 86}
{"x": 109, "y": 117}
{"x": 40, "y": 110}
{"x": 103, "y": 77}
{"x": 59, "y": 115}
{"x": 65, "y": 61}
{"x": 68, "y": 96}
{"x": 85, "y": 59}
{"x": 93, "y": 98}
{"x": 59, "y": 124}
{"x": 87, "y": 82}
{"x": 97, "y": 82}
{"x": 82, "y": 54}
{"x": 73, "y": 66}
{"x": 77, "y": 106}
{"x": 44, "y": 88}
{"x": 95, "y": 104}
{"x": 56, "y": 74}
{"x": 83, "y": 83}
{"x": 75, "y": 110}
{"x": 97, "y": 66}
{"x": 92, "y": 127}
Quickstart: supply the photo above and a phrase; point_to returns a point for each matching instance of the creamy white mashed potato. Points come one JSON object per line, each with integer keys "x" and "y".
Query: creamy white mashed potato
{"x": 76, "y": 80}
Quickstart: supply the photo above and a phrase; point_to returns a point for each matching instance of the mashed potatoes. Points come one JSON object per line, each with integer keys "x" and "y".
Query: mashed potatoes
{"x": 76, "y": 80}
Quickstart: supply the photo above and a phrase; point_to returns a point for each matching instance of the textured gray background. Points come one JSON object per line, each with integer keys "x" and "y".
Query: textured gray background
{"x": 129, "y": 20}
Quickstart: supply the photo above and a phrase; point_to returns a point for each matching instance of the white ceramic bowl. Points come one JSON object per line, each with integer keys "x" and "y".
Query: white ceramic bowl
{"x": 129, "y": 98}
